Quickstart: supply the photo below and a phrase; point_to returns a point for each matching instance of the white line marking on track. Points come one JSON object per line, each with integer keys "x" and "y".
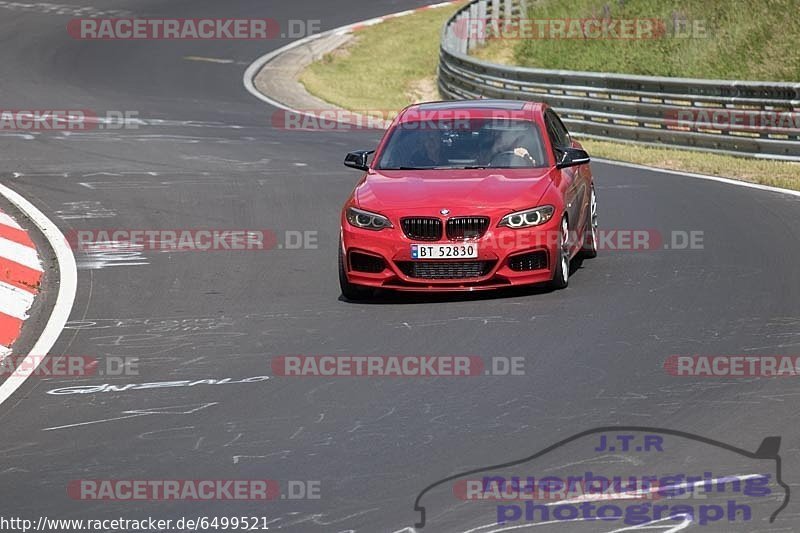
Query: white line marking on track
{"x": 67, "y": 288}
{"x": 102, "y": 254}
{"x": 209, "y": 59}
{"x": 177, "y": 410}
{"x": 64, "y": 9}
{"x": 79, "y": 424}
{"x": 719, "y": 179}
{"x": 500, "y": 528}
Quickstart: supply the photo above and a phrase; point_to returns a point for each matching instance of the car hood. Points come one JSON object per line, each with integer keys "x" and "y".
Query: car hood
{"x": 397, "y": 191}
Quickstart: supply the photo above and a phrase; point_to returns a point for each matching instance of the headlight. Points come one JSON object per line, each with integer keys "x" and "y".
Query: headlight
{"x": 364, "y": 219}
{"x": 529, "y": 217}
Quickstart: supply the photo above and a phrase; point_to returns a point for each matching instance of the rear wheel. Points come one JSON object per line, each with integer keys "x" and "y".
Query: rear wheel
{"x": 350, "y": 291}
{"x": 561, "y": 277}
{"x": 590, "y": 232}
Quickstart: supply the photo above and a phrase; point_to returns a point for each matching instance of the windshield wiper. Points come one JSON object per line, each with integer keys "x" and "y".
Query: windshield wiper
{"x": 405, "y": 168}
{"x": 435, "y": 168}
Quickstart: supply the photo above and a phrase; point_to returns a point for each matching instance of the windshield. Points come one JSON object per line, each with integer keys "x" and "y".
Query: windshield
{"x": 463, "y": 143}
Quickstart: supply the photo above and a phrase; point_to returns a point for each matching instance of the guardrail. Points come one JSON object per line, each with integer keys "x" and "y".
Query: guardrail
{"x": 756, "y": 119}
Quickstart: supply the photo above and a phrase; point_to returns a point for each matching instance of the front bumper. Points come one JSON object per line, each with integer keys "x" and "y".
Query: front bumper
{"x": 506, "y": 258}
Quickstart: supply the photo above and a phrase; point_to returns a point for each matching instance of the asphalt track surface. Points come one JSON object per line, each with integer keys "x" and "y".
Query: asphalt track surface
{"x": 593, "y": 353}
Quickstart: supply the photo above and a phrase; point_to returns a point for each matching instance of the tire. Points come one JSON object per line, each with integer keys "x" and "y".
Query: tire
{"x": 561, "y": 276}
{"x": 590, "y": 232}
{"x": 350, "y": 291}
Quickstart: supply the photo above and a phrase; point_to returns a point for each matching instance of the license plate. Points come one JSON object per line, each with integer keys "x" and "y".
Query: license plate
{"x": 444, "y": 251}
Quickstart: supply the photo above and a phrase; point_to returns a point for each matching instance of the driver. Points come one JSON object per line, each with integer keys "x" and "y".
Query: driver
{"x": 515, "y": 147}
{"x": 518, "y": 148}
{"x": 523, "y": 152}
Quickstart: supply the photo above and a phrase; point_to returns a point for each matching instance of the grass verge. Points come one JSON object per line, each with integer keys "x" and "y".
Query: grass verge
{"x": 716, "y": 39}
{"x": 393, "y": 64}
{"x": 385, "y": 67}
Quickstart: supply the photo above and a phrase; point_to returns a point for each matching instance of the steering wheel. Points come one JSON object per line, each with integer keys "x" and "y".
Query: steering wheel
{"x": 512, "y": 154}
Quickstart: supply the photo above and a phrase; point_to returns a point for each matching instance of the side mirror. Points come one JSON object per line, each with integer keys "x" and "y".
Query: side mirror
{"x": 571, "y": 157}
{"x": 358, "y": 159}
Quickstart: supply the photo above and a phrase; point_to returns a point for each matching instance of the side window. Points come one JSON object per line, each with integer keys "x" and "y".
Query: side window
{"x": 559, "y": 133}
{"x": 548, "y": 124}
{"x": 563, "y": 129}
{"x": 555, "y": 140}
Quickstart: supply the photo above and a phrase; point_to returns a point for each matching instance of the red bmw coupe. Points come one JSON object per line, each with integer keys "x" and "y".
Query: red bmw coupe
{"x": 468, "y": 195}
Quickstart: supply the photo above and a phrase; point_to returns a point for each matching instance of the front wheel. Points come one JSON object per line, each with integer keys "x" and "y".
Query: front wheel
{"x": 561, "y": 277}
{"x": 350, "y": 291}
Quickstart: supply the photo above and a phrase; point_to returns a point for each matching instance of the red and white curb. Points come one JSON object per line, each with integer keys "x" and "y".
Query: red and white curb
{"x": 21, "y": 289}
{"x": 20, "y": 274}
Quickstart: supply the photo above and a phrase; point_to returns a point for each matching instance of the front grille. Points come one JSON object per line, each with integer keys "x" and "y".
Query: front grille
{"x": 461, "y": 228}
{"x": 422, "y": 228}
{"x": 528, "y": 261}
{"x": 366, "y": 263}
{"x": 445, "y": 269}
